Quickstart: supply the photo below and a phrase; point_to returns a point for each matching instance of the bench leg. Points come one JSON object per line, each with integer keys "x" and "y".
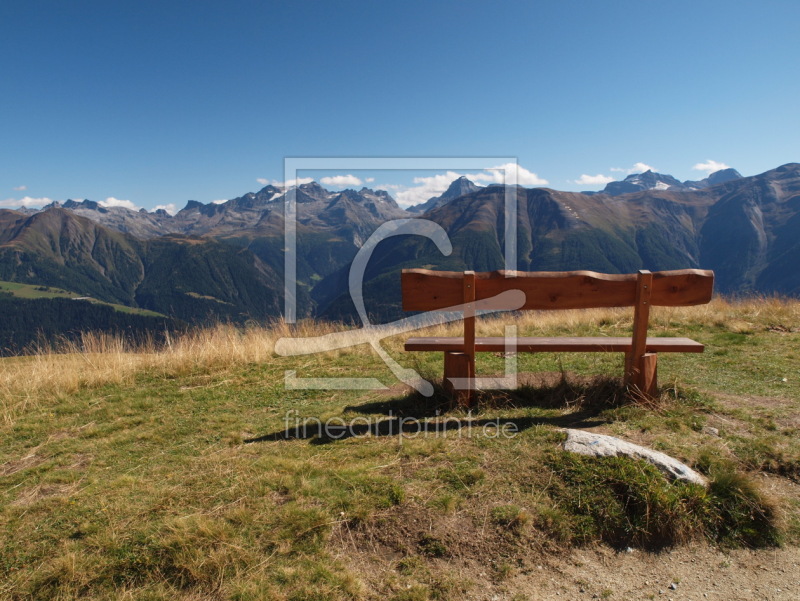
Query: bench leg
{"x": 645, "y": 377}
{"x": 649, "y": 374}
{"x": 461, "y": 366}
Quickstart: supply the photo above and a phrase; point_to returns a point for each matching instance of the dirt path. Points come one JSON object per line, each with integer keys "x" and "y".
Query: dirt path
{"x": 697, "y": 572}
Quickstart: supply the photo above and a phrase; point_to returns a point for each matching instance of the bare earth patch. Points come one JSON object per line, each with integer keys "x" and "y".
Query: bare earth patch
{"x": 689, "y": 572}
{"x": 29, "y": 496}
{"x": 17, "y": 465}
{"x": 698, "y": 572}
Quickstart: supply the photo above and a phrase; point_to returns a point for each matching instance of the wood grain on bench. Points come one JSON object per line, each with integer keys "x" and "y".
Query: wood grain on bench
{"x": 426, "y": 290}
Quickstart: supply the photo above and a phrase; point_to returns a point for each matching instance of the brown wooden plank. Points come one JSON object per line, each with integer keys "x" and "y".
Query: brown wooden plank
{"x": 468, "y": 284}
{"x": 641, "y": 315}
{"x": 425, "y": 290}
{"x": 528, "y": 344}
{"x": 467, "y": 397}
{"x": 682, "y": 288}
{"x": 562, "y": 290}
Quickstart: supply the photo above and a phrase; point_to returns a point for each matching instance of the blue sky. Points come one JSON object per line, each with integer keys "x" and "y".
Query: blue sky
{"x": 160, "y": 102}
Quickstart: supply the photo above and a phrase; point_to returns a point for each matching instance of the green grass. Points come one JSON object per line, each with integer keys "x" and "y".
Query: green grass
{"x": 29, "y": 291}
{"x": 34, "y": 291}
{"x": 179, "y": 483}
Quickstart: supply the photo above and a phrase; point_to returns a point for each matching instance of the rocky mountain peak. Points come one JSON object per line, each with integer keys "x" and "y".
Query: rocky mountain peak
{"x": 457, "y": 188}
{"x": 348, "y": 194}
{"x": 378, "y": 195}
{"x": 651, "y": 180}
{"x": 463, "y": 185}
{"x": 311, "y": 191}
{"x": 193, "y": 204}
{"x": 722, "y": 176}
{"x": 718, "y": 177}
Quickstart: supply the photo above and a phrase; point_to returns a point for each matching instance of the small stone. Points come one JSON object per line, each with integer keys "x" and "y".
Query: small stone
{"x": 661, "y": 592}
{"x": 710, "y": 431}
{"x": 600, "y": 445}
{"x": 673, "y": 586}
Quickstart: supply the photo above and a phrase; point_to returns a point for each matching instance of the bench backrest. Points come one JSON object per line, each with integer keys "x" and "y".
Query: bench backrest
{"x": 426, "y": 290}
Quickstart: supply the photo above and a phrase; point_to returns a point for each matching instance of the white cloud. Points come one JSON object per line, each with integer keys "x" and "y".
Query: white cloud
{"x": 219, "y": 202}
{"x": 341, "y": 181}
{"x": 641, "y": 168}
{"x": 20, "y": 188}
{"x": 637, "y": 168}
{"x": 593, "y": 180}
{"x": 169, "y": 208}
{"x": 427, "y": 187}
{"x": 510, "y": 174}
{"x": 434, "y": 185}
{"x": 710, "y": 166}
{"x": 116, "y": 202}
{"x": 369, "y": 180}
{"x": 262, "y": 181}
{"x": 28, "y": 202}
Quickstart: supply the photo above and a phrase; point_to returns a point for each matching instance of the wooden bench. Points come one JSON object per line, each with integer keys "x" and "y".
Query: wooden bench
{"x": 425, "y": 290}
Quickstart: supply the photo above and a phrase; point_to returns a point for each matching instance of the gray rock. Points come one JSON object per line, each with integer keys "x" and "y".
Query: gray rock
{"x": 599, "y": 445}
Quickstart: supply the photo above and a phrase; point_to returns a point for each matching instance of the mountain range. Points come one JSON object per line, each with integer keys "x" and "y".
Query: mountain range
{"x": 649, "y": 180}
{"x": 225, "y": 260}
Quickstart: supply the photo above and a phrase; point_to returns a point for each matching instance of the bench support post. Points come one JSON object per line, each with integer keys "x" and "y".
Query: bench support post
{"x": 647, "y": 378}
{"x": 462, "y": 366}
{"x": 635, "y": 360}
{"x": 469, "y": 336}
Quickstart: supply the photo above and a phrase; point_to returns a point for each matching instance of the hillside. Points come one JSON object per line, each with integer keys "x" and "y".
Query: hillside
{"x": 188, "y": 278}
{"x": 28, "y": 324}
{"x": 745, "y": 230}
{"x": 149, "y": 250}
{"x": 181, "y": 473}
{"x": 225, "y": 260}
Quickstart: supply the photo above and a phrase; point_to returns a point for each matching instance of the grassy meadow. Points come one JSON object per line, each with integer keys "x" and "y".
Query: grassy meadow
{"x": 184, "y": 472}
{"x": 31, "y": 291}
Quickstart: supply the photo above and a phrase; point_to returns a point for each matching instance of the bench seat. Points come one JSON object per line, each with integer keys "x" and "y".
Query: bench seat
{"x": 529, "y": 344}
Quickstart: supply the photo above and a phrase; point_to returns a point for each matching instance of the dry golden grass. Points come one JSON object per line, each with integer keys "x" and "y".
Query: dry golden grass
{"x": 99, "y": 359}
